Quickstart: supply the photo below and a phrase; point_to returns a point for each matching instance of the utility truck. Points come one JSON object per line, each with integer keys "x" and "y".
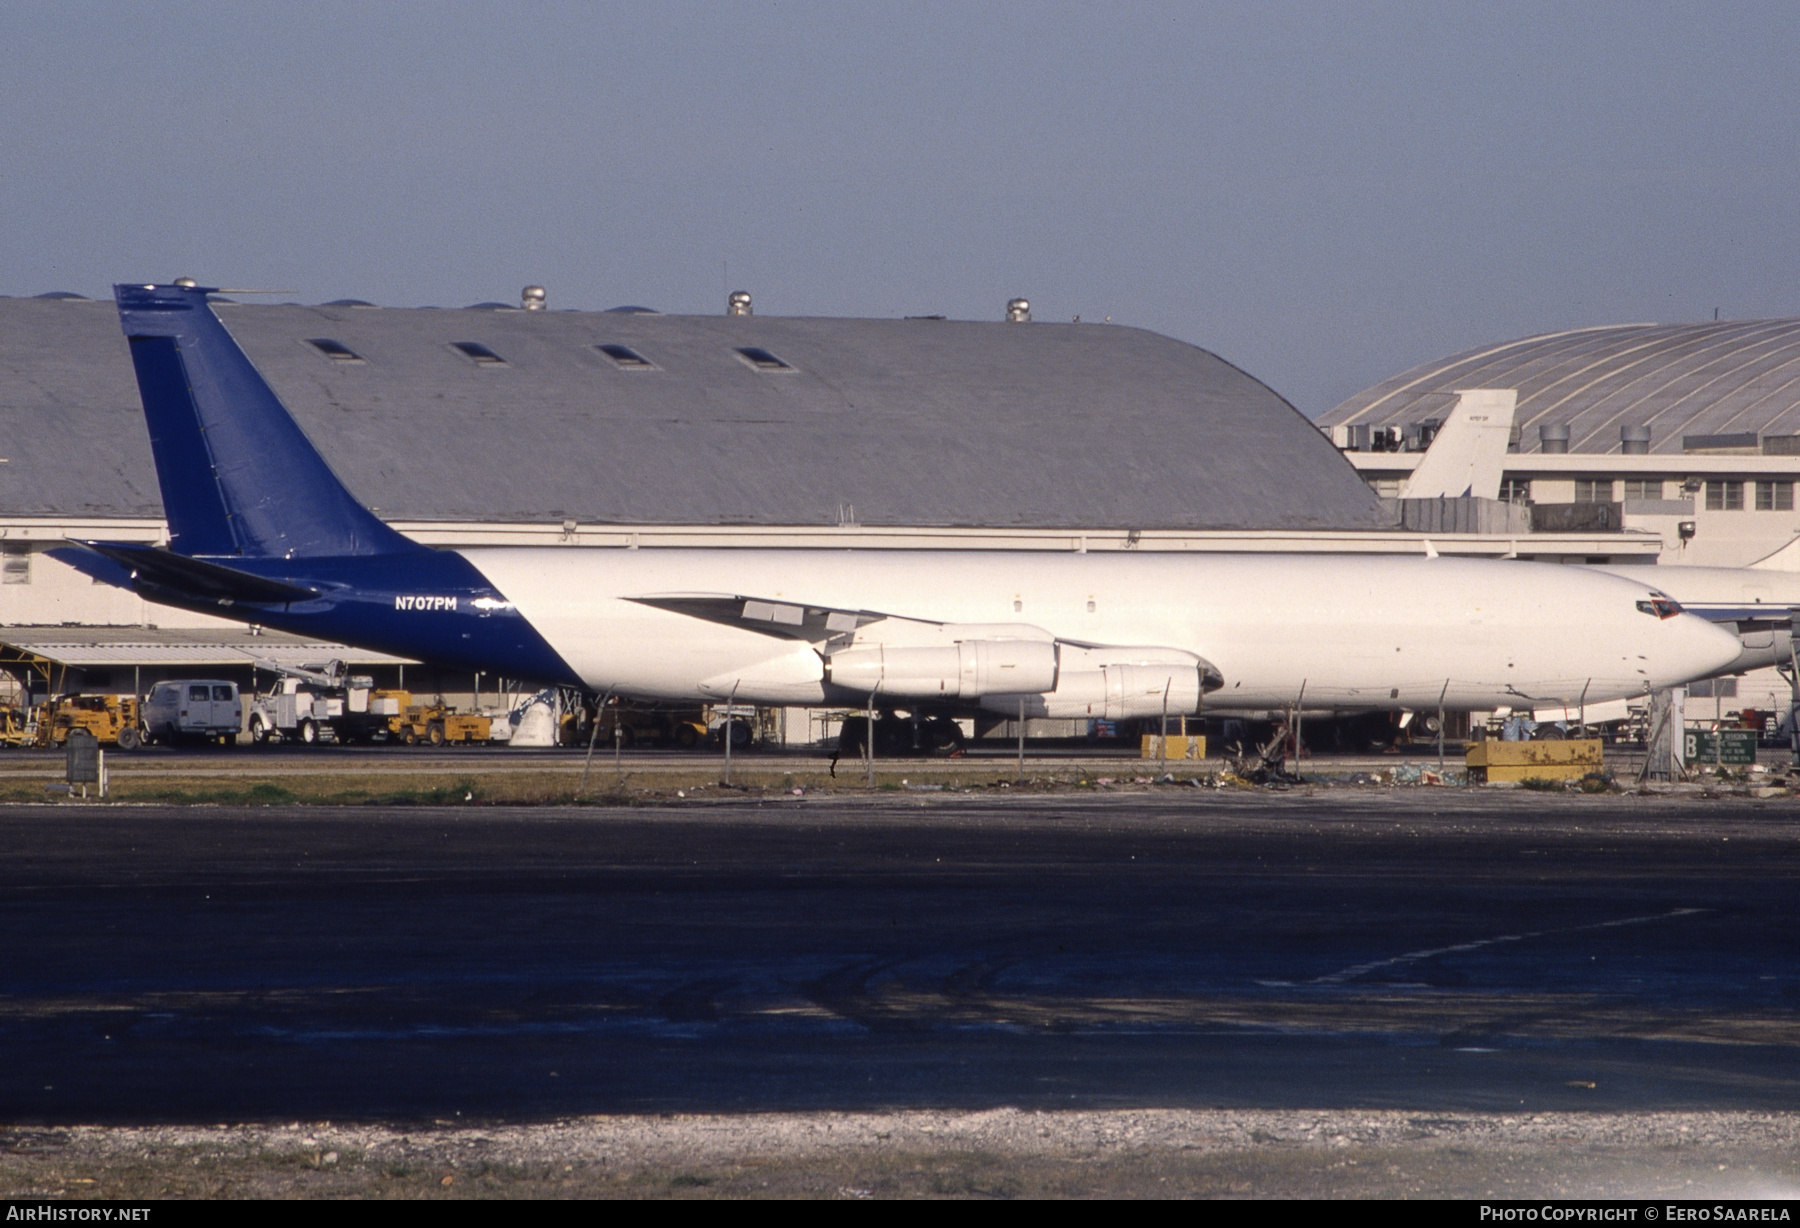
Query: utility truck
{"x": 309, "y": 705}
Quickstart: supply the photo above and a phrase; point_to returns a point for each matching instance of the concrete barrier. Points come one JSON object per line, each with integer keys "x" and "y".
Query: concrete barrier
{"x": 1178, "y": 747}
{"x": 1568, "y": 760}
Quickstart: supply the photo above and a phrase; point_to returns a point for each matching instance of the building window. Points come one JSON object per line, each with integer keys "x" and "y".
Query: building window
{"x": 1386, "y": 488}
{"x": 1724, "y": 496}
{"x": 1643, "y": 488}
{"x": 15, "y": 565}
{"x": 1774, "y": 496}
{"x": 1515, "y": 490}
{"x": 1593, "y": 490}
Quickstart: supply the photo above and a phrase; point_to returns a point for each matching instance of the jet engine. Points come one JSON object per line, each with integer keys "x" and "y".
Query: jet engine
{"x": 1112, "y": 692}
{"x": 968, "y": 670}
{"x": 1117, "y": 684}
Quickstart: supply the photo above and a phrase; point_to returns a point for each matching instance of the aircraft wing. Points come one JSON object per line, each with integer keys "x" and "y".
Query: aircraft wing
{"x": 782, "y": 619}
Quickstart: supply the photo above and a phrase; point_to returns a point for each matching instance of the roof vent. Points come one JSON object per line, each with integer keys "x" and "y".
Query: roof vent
{"x": 533, "y": 298}
{"x": 186, "y": 283}
{"x": 1634, "y": 440}
{"x": 1553, "y": 437}
{"x": 1018, "y": 311}
{"x": 1737, "y": 441}
{"x": 738, "y": 303}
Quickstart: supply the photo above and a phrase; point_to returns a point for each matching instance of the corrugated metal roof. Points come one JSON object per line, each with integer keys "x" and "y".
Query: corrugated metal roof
{"x": 909, "y": 422}
{"x": 1677, "y": 379}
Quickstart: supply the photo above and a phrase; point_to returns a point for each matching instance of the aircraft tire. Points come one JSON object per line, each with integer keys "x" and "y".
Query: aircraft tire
{"x": 853, "y": 737}
{"x": 1376, "y": 733}
{"x": 943, "y": 736}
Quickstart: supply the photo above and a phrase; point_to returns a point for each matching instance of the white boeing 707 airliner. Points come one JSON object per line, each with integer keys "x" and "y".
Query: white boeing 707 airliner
{"x": 261, "y": 530}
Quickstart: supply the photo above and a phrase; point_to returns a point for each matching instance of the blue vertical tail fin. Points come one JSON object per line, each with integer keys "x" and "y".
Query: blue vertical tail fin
{"x": 238, "y": 475}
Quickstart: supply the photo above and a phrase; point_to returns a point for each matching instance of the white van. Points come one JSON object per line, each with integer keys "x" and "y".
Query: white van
{"x": 190, "y": 708}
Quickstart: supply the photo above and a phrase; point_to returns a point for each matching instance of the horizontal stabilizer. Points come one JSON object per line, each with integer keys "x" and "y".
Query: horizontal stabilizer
{"x": 1785, "y": 559}
{"x": 177, "y": 575}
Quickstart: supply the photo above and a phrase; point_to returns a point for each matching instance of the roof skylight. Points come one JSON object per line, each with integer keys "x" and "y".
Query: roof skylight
{"x": 626, "y": 358}
{"x": 761, "y": 359}
{"x": 337, "y": 351}
{"x": 478, "y": 353}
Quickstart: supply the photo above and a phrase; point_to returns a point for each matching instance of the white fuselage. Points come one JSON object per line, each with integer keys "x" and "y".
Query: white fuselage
{"x": 1342, "y": 631}
{"x": 1718, "y": 588}
{"x": 1755, "y": 603}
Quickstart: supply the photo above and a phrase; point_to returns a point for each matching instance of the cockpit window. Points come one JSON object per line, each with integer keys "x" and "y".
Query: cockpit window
{"x": 1660, "y": 606}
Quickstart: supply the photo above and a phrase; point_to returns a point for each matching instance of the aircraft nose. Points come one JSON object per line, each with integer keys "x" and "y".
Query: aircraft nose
{"x": 1698, "y": 650}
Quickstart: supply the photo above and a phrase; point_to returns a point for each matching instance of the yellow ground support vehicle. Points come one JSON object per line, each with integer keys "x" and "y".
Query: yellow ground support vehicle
{"x": 114, "y": 720}
{"x": 436, "y": 724}
{"x": 18, "y": 726}
{"x": 684, "y": 728}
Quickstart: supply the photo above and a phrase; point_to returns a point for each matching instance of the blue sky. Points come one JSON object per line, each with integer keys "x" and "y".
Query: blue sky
{"x": 1323, "y": 194}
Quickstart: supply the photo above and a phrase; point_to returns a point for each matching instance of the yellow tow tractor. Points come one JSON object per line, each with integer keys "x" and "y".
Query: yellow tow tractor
{"x": 18, "y": 726}
{"x": 436, "y": 724}
{"x": 114, "y": 720}
{"x": 680, "y": 727}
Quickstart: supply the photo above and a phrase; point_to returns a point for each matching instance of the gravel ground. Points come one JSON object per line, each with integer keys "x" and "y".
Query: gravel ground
{"x": 1000, "y": 1153}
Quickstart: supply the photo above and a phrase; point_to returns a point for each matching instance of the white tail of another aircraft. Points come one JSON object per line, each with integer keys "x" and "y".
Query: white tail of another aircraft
{"x": 1468, "y": 454}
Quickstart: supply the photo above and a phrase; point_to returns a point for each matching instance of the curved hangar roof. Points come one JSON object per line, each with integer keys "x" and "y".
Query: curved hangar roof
{"x": 640, "y": 418}
{"x": 1696, "y": 386}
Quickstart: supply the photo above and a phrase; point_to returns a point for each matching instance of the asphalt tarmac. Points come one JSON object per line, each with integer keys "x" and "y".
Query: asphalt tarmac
{"x": 1413, "y": 949}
